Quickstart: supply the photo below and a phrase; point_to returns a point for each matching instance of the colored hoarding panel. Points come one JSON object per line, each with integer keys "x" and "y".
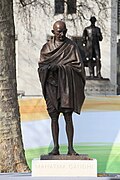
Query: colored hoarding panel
{"x": 97, "y": 130}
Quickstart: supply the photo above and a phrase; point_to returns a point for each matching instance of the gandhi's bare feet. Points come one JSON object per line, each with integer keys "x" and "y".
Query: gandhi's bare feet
{"x": 72, "y": 152}
{"x": 55, "y": 151}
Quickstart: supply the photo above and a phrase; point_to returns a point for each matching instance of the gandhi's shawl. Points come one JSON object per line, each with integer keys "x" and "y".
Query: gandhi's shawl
{"x": 71, "y": 74}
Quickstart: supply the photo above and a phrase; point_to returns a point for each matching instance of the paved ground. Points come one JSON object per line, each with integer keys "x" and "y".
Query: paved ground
{"x": 27, "y": 176}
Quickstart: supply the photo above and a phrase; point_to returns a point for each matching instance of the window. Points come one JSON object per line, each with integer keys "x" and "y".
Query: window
{"x": 61, "y": 6}
{"x": 71, "y": 6}
{"x": 118, "y": 17}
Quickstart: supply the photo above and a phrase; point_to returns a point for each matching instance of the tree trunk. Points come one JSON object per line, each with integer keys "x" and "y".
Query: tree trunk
{"x": 12, "y": 157}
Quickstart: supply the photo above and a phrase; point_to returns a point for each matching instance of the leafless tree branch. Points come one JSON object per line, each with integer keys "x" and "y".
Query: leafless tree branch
{"x": 27, "y": 7}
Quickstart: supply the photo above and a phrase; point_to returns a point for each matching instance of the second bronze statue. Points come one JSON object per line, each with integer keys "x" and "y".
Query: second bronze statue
{"x": 91, "y": 37}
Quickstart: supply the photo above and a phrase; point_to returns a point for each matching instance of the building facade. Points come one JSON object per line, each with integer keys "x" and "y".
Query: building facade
{"x": 36, "y": 30}
{"x": 118, "y": 46}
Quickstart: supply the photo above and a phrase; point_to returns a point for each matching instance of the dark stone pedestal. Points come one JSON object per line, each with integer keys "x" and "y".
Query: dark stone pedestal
{"x": 65, "y": 157}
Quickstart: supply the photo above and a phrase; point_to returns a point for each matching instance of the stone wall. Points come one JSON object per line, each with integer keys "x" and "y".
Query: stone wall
{"x": 29, "y": 44}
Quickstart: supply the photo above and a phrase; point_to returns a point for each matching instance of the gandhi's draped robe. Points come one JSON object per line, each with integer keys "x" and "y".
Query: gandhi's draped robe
{"x": 65, "y": 86}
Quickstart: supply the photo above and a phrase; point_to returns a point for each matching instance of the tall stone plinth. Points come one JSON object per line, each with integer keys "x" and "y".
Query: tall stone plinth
{"x": 67, "y": 166}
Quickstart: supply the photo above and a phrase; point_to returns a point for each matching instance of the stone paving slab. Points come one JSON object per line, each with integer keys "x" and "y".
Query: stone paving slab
{"x": 27, "y": 176}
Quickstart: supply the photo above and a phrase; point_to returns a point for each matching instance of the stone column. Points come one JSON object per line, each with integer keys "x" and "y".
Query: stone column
{"x": 113, "y": 47}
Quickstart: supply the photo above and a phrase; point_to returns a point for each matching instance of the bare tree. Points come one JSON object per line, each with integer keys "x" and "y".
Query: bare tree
{"x": 83, "y": 8}
{"x": 12, "y": 157}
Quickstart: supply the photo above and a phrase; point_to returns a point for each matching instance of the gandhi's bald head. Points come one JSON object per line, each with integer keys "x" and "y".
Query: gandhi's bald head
{"x": 60, "y": 24}
{"x": 59, "y": 30}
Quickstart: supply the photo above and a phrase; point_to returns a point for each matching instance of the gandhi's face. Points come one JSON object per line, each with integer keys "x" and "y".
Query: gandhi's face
{"x": 59, "y": 30}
